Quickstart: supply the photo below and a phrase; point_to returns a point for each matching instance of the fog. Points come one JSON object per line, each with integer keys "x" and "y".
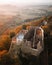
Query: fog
{"x": 25, "y": 2}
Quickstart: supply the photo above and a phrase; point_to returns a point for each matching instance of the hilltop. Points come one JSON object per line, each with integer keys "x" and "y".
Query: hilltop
{"x": 5, "y": 39}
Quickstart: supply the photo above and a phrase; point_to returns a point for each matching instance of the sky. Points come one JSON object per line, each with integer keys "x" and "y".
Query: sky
{"x": 25, "y": 2}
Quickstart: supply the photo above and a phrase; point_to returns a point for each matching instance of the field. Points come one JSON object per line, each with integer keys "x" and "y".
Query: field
{"x": 11, "y": 15}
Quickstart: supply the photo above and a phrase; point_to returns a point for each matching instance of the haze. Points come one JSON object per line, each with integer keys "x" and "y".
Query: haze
{"x": 25, "y": 2}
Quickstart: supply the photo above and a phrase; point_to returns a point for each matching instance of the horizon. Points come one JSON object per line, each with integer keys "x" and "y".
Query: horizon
{"x": 25, "y": 2}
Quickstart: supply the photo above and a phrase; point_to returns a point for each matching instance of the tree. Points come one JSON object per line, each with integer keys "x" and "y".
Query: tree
{"x": 12, "y": 34}
{"x": 6, "y": 60}
{"x": 50, "y": 26}
{"x": 5, "y": 42}
{"x": 24, "y": 27}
